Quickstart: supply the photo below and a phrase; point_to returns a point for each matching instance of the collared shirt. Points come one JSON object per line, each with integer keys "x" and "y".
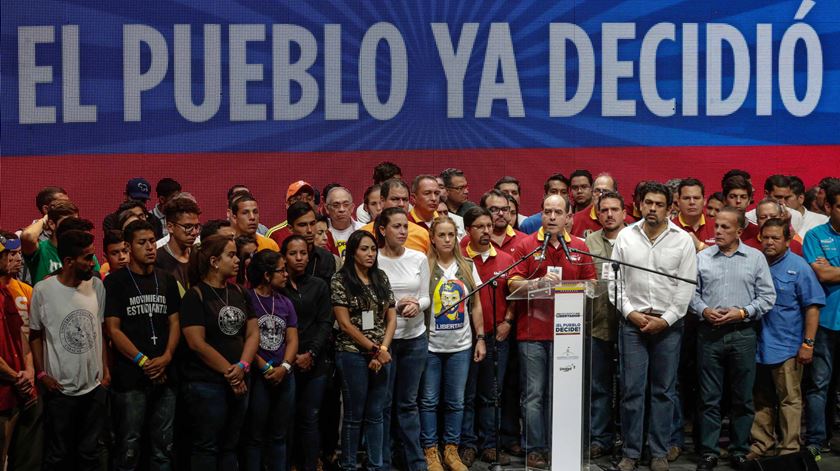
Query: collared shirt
{"x": 739, "y": 280}
{"x": 705, "y": 232}
{"x": 538, "y": 326}
{"x": 797, "y": 288}
{"x": 810, "y": 220}
{"x": 458, "y": 220}
{"x": 489, "y": 264}
{"x": 512, "y": 237}
{"x": 531, "y": 224}
{"x": 755, "y": 242}
{"x": 604, "y": 314}
{"x": 823, "y": 241}
{"x": 672, "y": 252}
{"x": 418, "y": 236}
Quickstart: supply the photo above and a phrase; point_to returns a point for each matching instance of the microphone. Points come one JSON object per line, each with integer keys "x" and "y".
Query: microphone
{"x": 547, "y": 236}
{"x": 565, "y": 247}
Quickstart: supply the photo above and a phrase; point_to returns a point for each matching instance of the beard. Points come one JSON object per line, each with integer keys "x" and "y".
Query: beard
{"x": 84, "y": 275}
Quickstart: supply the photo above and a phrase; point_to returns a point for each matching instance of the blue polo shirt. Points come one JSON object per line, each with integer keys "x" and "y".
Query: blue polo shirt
{"x": 532, "y": 223}
{"x": 824, "y": 241}
{"x": 797, "y": 288}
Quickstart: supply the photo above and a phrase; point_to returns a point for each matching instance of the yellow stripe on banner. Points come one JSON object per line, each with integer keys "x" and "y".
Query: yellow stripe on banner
{"x": 569, "y": 288}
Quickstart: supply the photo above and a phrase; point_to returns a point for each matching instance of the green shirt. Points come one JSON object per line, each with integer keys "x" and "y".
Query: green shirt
{"x": 45, "y": 260}
{"x": 604, "y": 315}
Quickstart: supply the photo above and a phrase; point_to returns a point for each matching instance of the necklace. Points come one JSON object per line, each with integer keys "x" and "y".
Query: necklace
{"x": 258, "y": 296}
{"x": 227, "y": 295}
{"x": 154, "y": 336}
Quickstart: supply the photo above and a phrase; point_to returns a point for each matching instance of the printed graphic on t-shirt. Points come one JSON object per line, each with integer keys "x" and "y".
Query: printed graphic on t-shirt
{"x": 340, "y": 245}
{"x": 147, "y": 304}
{"x": 77, "y": 332}
{"x": 447, "y": 293}
{"x": 231, "y": 320}
{"x": 272, "y": 332}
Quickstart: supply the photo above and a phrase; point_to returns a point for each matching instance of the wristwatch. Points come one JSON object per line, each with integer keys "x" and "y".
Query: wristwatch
{"x": 809, "y": 342}
{"x": 288, "y": 366}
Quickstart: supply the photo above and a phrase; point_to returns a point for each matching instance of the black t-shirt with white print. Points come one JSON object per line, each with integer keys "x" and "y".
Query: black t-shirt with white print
{"x": 143, "y": 303}
{"x": 224, "y": 313}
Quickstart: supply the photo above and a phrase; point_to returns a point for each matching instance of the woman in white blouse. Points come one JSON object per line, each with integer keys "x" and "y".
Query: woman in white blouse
{"x": 408, "y": 272}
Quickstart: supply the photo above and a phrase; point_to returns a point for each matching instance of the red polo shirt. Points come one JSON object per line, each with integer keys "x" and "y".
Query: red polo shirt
{"x": 539, "y": 326}
{"x": 495, "y": 263}
{"x": 586, "y": 221}
{"x": 512, "y": 238}
{"x": 750, "y": 232}
{"x": 705, "y": 232}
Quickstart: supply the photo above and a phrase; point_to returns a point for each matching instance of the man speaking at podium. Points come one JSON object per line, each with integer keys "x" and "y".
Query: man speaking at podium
{"x": 535, "y": 330}
{"x": 650, "y": 334}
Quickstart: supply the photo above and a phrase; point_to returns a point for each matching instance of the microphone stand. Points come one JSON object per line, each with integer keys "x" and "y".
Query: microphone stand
{"x": 615, "y": 264}
{"x": 495, "y": 466}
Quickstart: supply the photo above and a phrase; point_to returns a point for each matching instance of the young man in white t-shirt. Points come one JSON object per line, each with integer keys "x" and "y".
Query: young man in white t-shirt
{"x": 68, "y": 350}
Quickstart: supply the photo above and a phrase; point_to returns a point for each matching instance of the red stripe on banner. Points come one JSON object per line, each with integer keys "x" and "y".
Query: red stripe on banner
{"x": 96, "y": 181}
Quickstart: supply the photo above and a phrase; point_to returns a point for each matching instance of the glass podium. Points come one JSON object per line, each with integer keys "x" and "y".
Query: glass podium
{"x": 556, "y": 369}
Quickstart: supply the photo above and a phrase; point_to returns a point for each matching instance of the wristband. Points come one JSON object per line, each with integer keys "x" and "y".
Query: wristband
{"x": 268, "y": 367}
{"x": 142, "y": 361}
{"x": 743, "y": 313}
{"x": 508, "y": 322}
{"x": 244, "y": 365}
{"x": 137, "y": 357}
{"x": 287, "y": 365}
{"x": 479, "y": 337}
{"x": 41, "y": 374}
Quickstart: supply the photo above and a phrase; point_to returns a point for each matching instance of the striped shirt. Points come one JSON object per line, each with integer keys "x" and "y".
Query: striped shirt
{"x": 741, "y": 280}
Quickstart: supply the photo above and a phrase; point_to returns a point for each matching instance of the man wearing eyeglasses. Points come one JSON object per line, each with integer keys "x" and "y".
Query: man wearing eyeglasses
{"x": 339, "y": 210}
{"x": 502, "y": 236}
{"x": 183, "y": 226}
{"x": 457, "y": 191}
{"x": 586, "y": 219}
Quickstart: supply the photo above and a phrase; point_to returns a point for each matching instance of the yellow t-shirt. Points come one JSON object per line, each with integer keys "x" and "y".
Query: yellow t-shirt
{"x": 22, "y": 293}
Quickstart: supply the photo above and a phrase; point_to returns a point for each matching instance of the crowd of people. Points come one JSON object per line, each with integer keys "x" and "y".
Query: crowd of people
{"x": 345, "y": 332}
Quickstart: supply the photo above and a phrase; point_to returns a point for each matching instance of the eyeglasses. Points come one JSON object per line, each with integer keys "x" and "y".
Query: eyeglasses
{"x": 497, "y": 209}
{"x": 189, "y": 227}
{"x": 279, "y": 270}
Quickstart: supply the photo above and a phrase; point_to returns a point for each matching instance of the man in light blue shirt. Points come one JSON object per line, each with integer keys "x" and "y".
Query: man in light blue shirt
{"x": 785, "y": 344}
{"x": 734, "y": 290}
{"x": 822, "y": 250}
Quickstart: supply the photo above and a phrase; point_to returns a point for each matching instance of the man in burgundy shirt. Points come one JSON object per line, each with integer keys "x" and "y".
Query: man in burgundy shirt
{"x": 586, "y": 220}
{"x": 535, "y": 330}
{"x": 502, "y": 236}
{"x": 691, "y": 199}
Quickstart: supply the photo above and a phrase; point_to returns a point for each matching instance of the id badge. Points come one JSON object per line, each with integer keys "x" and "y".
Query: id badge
{"x": 607, "y": 272}
{"x": 367, "y": 320}
{"x": 557, "y": 270}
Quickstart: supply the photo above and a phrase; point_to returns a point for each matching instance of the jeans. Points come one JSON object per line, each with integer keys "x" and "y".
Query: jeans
{"x": 363, "y": 392}
{"x": 535, "y": 362}
{"x": 445, "y": 375}
{"x": 817, "y": 381}
{"x": 481, "y": 433}
{"x": 149, "y": 410}
{"x": 601, "y": 394}
{"x": 73, "y": 429}
{"x": 267, "y": 425}
{"x": 408, "y": 360}
{"x": 511, "y": 427}
{"x": 216, "y": 419}
{"x": 309, "y": 397}
{"x": 26, "y": 449}
{"x": 648, "y": 360}
{"x": 731, "y": 352}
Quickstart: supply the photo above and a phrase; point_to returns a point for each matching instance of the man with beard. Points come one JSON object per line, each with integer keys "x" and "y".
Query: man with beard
{"x": 68, "y": 351}
{"x": 611, "y": 215}
{"x": 650, "y": 334}
{"x": 142, "y": 322}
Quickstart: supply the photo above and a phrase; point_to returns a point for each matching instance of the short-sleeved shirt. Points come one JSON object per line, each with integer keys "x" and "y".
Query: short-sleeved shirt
{"x": 275, "y": 314}
{"x": 450, "y": 331}
{"x": 823, "y": 241}
{"x": 143, "y": 304}
{"x": 488, "y": 265}
{"x": 179, "y": 270}
{"x": 45, "y": 260}
{"x": 539, "y": 326}
{"x": 224, "y": 314}
{"x": 22, "y": 293}
{"x": 356, "y": 305}
{"x": 71, "y": 322}
{"x": 797, "y": 288}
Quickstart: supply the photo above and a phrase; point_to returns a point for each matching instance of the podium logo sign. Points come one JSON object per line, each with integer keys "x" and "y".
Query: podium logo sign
{"x": 567, "y": 328}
